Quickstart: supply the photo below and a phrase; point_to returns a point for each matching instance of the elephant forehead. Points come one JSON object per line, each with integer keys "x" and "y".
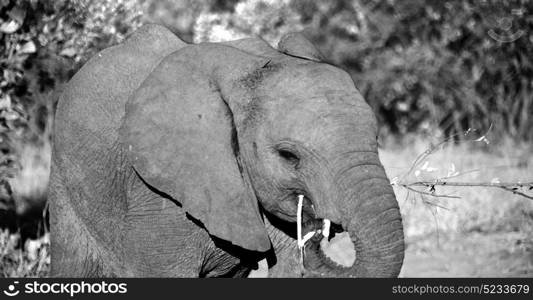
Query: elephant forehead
{"x": 308, "y": 79}
{"x": 329, "y": 106}
{"x": 312, "y": 120}
{"x": 315, "y": 104}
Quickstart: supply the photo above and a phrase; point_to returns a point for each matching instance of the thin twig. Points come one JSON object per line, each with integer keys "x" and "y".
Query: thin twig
{"x": 507, "y": 186}
{"x": 515, "y": 192}
{"x": 512, "y": 187}
{"x": 435, "y": 204}
{"x": 428, "y": 193}
{"x": 481, "y": 184}
{"x": 429, "y": 151}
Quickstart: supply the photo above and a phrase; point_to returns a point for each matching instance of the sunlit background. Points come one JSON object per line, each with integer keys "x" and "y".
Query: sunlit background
{"x": 430, "y": 69}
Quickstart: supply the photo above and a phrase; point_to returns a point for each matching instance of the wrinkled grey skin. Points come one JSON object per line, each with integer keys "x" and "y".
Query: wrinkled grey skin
{"x": 176, "y": 160}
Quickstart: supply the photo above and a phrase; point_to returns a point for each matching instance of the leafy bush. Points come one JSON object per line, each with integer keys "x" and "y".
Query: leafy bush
{"x": 269, "y": 19}
{"x": 42, "y": 44}
{"x": 427, "y": 64}
{"x": 31, "y": 260}
{"x": 180, "y": 15}
{"x": 423, "y": 65}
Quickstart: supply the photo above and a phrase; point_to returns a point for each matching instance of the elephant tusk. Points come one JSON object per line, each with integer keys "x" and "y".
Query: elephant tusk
{"x": 325, "y": 229}
{"x": 304, "y": 239}
{"x": 299, "y": 229}
{"x": 299, "y": 220}
{"x": 307, "y": 237}
{"x": 301, "y": 240}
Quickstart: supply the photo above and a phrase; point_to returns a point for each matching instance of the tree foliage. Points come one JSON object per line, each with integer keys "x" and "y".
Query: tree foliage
{"x": 439, "y": 67}
{"x": 423, "y": 65}
{"x": 43, "y": 43}
{"x": 269, "y": 19}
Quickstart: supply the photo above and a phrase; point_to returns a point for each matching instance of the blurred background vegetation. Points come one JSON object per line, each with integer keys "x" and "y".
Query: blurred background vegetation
{"x": 428, "y": 68}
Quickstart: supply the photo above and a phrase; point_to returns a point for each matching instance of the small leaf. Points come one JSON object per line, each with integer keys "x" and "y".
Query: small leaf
{"x": 5, "y": 102}
{"x": 10, "y": 27}
{"x": 18, "y": 14}
{"x": 482, "y": 139}
{"x": 68, "y": 52}
{"x": 10, "y": 115}
{"x": 42, "y": 40}
{"x": 452, "y": 172}
{"x": 28, "y": 48}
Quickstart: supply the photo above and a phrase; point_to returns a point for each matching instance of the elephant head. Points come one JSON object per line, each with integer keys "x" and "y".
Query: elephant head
{"x": 238, "y": 130}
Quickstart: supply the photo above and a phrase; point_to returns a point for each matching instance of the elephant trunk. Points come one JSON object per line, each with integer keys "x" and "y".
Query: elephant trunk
{"x": 373, "y": 221}
{"x": 377, "y": 233}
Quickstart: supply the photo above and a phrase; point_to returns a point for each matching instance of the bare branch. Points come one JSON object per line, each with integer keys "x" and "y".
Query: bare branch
{"x": 512, "y": 187}
{"x": 507, "y": 186}
{"x": 479, "y": 184}
{"x": 428, "y": 193}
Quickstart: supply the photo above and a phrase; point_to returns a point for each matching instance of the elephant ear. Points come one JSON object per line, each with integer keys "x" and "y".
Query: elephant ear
{"x": 180, "y": 137}
{"x": 296, "y": 44}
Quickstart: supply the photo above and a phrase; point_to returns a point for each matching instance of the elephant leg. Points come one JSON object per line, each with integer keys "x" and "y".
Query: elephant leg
{"x": 161, "y": 240}
{"x": 158, "y": 241}
{"x": 284, "y": 261}
{"x": 74, "y": 250}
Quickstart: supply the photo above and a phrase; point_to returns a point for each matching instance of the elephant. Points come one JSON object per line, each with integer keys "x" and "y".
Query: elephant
{"x": 207, "y": 160}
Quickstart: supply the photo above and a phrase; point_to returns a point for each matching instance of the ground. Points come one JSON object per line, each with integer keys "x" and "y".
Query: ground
{"x": 470, "y": 255}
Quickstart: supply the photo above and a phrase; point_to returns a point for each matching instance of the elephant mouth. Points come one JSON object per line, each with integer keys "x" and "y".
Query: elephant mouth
{"x": 367, "y": 242}
{"x": 327, "y": 254}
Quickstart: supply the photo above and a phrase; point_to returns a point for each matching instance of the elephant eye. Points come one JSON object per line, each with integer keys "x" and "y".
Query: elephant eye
{"x": 289, "y": 157}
